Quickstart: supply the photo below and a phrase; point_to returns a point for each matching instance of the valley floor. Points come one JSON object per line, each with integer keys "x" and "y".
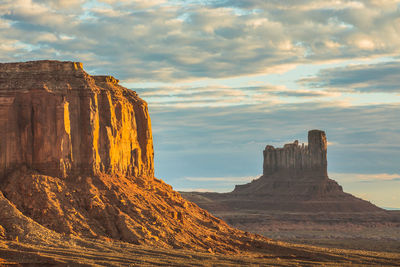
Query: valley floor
{"x": 364, "y": 231}
{"x": 88, "y": 252}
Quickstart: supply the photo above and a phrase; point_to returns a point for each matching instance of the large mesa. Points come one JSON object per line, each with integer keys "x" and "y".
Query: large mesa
{"x": 57, "y": 119}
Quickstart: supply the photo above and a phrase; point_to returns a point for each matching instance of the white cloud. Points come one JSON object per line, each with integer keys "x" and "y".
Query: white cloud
{"x": 367, "y": 78}
{"x": 61, "y": 4}
{"x": 366, "y": 177}
{"x": 222, "y": 95}
{"x": 190, "y": 189}
{"x": 172, "y": 40}
{"x": 244, "y": 179}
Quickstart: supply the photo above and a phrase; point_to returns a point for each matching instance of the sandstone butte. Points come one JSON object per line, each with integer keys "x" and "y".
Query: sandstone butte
{"x": 295, "y": 179}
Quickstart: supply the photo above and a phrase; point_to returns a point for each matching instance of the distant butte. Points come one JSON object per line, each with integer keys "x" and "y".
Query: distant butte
{"x": 295, "y": 178}
{"x": 294, "y": 200}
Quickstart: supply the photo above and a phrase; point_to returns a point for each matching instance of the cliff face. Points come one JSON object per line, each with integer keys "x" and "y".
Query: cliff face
{"x": 298, "y": 159}
{"x": 58, "y": 120}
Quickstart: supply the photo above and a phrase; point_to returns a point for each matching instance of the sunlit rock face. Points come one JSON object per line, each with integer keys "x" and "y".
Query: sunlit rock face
{"x": 58, "y": 120}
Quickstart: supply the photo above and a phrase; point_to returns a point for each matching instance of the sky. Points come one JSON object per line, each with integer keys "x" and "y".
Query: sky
{"x": 225, "y": 78}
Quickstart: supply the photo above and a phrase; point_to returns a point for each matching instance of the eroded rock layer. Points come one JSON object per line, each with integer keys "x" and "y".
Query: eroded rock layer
{"x": 57, "y": 119}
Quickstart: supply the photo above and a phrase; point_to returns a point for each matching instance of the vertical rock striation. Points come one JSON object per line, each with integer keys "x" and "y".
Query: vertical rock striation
{"x": 295, "y": 171}
{"x": 298, "y": 159}
{"x": 58, "y": 120}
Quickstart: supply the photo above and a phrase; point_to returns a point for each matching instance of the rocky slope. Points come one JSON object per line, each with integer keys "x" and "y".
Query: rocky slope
{"x": 295, "y": 178}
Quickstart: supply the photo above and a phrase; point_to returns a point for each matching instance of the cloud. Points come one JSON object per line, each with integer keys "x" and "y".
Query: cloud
{"x": 223, "y": 179}
{"x": 380, "y": 77}
{"x": 188, "y": 189}
{"x": 223, "y": 95}
{"x": 179, "y": 40}
{"x": 380, "y": 188}
{"x": 61, "y": 4}
{"x": 367, "y": 177}
{"x": 213, "y": 184}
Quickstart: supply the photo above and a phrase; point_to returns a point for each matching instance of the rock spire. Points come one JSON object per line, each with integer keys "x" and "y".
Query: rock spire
{"x": 297, "y": 158}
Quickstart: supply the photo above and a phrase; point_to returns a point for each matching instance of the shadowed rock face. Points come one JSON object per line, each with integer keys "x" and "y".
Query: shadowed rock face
{"x": 298, "y": 159}
{"x": 295, "y": 172}
{"x": 57, "y": 119}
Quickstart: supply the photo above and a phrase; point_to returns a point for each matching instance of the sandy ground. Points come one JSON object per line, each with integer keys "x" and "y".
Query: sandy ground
{"x": 89, "y": 252}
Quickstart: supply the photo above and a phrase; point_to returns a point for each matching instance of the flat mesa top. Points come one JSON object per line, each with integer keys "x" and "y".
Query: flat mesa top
{"x": 41, "y": 66}
{"x": 51, "y": 75}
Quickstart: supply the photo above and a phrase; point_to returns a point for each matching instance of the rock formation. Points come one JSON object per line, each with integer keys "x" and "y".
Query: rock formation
{"x": 58, "y": 120}
{"x": 298, "y": 159}
{"x": 295, "y": 201}
{"x": 76, "y": 157}
{"x": 294, "y": 178}
{"x": 295, "y": 172}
